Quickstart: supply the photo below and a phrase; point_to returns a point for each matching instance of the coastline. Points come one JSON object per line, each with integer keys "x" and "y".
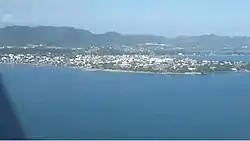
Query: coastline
{"x": 105, "y": 70}
{"x": 116, "y": 70}
{"x": 141, "y": 72}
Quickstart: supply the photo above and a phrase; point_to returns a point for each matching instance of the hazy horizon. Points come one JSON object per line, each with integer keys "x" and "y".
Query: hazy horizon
{"x": 169, "y": 18}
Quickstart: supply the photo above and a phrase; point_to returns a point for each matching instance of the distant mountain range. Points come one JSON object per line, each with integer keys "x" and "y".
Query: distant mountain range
{"x": 72, "y": 37}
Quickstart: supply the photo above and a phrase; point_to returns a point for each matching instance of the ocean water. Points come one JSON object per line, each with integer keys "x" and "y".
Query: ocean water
{"x": 64, "y": 103}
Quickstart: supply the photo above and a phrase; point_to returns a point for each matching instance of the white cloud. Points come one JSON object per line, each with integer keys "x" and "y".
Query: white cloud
{"x": 7, "y": 18}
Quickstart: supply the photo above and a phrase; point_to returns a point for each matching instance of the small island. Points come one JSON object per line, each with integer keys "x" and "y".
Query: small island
{"x": 140, "y": 63}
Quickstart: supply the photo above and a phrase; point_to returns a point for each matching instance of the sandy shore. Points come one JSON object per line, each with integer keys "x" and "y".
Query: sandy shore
{"x": 106, "y": 70}
{"x": 142, "y": 72}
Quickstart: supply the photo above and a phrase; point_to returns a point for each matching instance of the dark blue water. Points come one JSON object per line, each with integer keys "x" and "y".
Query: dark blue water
{"x": 61, "y": 103}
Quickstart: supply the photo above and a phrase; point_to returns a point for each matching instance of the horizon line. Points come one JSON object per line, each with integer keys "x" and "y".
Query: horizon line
{"x": 179, "y": 36}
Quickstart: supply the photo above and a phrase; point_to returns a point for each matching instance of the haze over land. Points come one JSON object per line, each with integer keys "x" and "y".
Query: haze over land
{"x": 204, "y": 24}
{"x": 73, "y": 37}
{"x": 169, "y": 18}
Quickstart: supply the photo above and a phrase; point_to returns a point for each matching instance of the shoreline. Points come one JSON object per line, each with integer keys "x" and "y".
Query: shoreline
{"x": 141, "y": 72}
{"x": 119, "y": 71}
{"x": 104, "y": 70}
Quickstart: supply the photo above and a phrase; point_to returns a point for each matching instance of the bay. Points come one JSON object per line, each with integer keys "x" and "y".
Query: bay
{"x": 65, "y": 103}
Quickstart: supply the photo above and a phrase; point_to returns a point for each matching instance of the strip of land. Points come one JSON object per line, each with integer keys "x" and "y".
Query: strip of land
{"x": 154, "y": 64}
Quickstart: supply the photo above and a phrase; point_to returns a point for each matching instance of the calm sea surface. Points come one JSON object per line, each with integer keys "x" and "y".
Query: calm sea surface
{"x": 63, "y": 103}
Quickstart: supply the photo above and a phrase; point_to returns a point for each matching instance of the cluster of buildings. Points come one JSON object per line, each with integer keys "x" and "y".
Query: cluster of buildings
{"x": 141, "y": 63}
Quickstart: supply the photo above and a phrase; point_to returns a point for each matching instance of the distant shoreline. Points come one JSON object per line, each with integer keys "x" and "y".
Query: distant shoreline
{"x": 115, "y": 70}
{"x": 105, "y": 70}
{"x": 141, "y": 72}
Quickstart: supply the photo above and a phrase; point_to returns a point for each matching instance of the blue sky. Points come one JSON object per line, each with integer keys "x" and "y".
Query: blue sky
{"x": 160, "y": 17}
